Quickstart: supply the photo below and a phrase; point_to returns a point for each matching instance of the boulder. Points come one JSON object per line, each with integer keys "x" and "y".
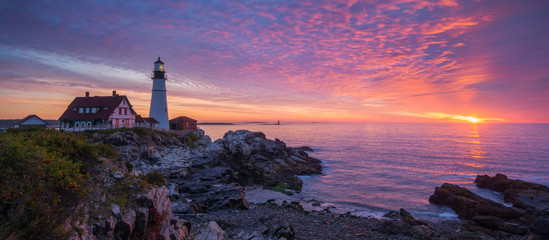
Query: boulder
{"x": 208, "y": 231}
{"x": 404, "y": 225}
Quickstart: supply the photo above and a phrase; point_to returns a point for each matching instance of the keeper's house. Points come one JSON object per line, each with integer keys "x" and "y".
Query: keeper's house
{"x": 98, "y": 112}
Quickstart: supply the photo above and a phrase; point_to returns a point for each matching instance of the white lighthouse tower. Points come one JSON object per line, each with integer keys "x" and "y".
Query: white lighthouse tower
{"x": 159, "y": 103}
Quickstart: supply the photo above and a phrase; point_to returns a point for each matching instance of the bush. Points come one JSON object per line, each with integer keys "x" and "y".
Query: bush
{"x": 43, "y": 174}
{"x": 190, "y": 139}
{"x": 129, "y": 166}
{"x": 155, "y": 178}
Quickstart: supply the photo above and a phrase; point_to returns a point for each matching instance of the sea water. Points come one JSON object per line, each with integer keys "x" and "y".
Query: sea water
{"x": 371, "y": 168}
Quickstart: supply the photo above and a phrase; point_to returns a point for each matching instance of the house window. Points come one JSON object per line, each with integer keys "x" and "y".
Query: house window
{"x": 125, "y": 111}
{"x": 80, "y": 110}
{"x": 87, "y": 110}
{"x": 120, "y": 111}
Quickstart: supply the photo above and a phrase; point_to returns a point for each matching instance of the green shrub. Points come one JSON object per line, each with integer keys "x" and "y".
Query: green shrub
{"x": 43, "y": 173}
{"x": 155, "y": 178}
{"x": 129, "y": 166}
{"x": 190, "y": 139}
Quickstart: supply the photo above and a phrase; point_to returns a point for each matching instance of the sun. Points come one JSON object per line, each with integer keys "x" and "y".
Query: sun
{"x": 472, "y": 119}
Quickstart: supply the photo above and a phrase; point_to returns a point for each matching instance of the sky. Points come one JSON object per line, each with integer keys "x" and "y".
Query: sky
{"x": 306, "y": 60}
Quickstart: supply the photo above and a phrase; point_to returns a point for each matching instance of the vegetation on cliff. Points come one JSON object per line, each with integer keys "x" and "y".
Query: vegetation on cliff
{"x": 43, "y": 174}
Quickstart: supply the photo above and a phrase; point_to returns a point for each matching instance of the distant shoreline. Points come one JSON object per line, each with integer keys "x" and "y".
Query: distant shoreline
{"x": 221, "y": 123}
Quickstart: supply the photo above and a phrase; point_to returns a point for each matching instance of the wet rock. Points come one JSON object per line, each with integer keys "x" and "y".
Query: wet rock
{"x": 468, "y": 205}
{"x": 522, "y": 194}
{"x": 314, "y": 203}
{"x": 305, "y": 149}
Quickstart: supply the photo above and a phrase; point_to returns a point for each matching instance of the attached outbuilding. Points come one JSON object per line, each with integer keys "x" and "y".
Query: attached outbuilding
{"x": 145, "y": 122}
{"x": 32, "y": 120}
{"x": 183, "y": 123}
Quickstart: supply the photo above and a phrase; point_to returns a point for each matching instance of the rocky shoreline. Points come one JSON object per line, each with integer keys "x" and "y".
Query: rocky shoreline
{"x": 202, "y": 196}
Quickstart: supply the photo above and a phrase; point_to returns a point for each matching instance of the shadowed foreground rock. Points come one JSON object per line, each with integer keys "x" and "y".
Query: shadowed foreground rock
{"x": 527, "y": 216}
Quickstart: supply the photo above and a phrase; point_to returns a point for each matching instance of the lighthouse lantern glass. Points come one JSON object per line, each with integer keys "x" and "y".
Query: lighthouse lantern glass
{"x": 159, "y": 67}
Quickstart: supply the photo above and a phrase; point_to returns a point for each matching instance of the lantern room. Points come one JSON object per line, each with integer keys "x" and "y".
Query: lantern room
{"x": 159, "y": 66}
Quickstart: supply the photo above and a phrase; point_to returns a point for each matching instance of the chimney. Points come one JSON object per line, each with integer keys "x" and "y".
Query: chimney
{"x": 114, "y": 93}
{"x": 87, "y": 94}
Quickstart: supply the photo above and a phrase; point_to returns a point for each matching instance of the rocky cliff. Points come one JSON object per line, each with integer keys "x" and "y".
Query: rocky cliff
{"x": 159, "y": 177}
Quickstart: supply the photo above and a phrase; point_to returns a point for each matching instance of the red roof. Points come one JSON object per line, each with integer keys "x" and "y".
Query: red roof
{"x": 150, "y": 120}
{"x": 106, "y": 107}
{"x": 183, "y": 119}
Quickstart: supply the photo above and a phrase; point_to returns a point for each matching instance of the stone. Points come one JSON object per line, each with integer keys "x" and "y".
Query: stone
{"x": 118, "y": 175}
{"x": 209, "y": 231}
{"x": 116, "y": 209}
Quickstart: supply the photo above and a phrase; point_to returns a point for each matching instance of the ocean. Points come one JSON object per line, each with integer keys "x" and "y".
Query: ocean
{"x": 371, "y": 168}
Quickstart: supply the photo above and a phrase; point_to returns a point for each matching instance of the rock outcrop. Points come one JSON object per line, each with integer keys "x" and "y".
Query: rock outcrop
{"x": 200, "y": 176}
{"x": 523, "y": 195}
{"x": 150, "y": 218}
{"x": 528, "y": 214}
{"x": 215, "y": 180}
{"x": 259, "y": 160}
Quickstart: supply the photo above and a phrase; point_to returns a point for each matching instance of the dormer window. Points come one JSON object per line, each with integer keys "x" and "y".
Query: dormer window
{"x": 80, "y": 110}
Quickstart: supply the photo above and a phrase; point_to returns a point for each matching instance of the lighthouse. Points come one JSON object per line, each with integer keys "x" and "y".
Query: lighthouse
{"x": 159, "y": 103}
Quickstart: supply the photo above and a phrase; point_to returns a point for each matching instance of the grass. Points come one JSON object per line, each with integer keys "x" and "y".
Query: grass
{"x": 281, "y": 187}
